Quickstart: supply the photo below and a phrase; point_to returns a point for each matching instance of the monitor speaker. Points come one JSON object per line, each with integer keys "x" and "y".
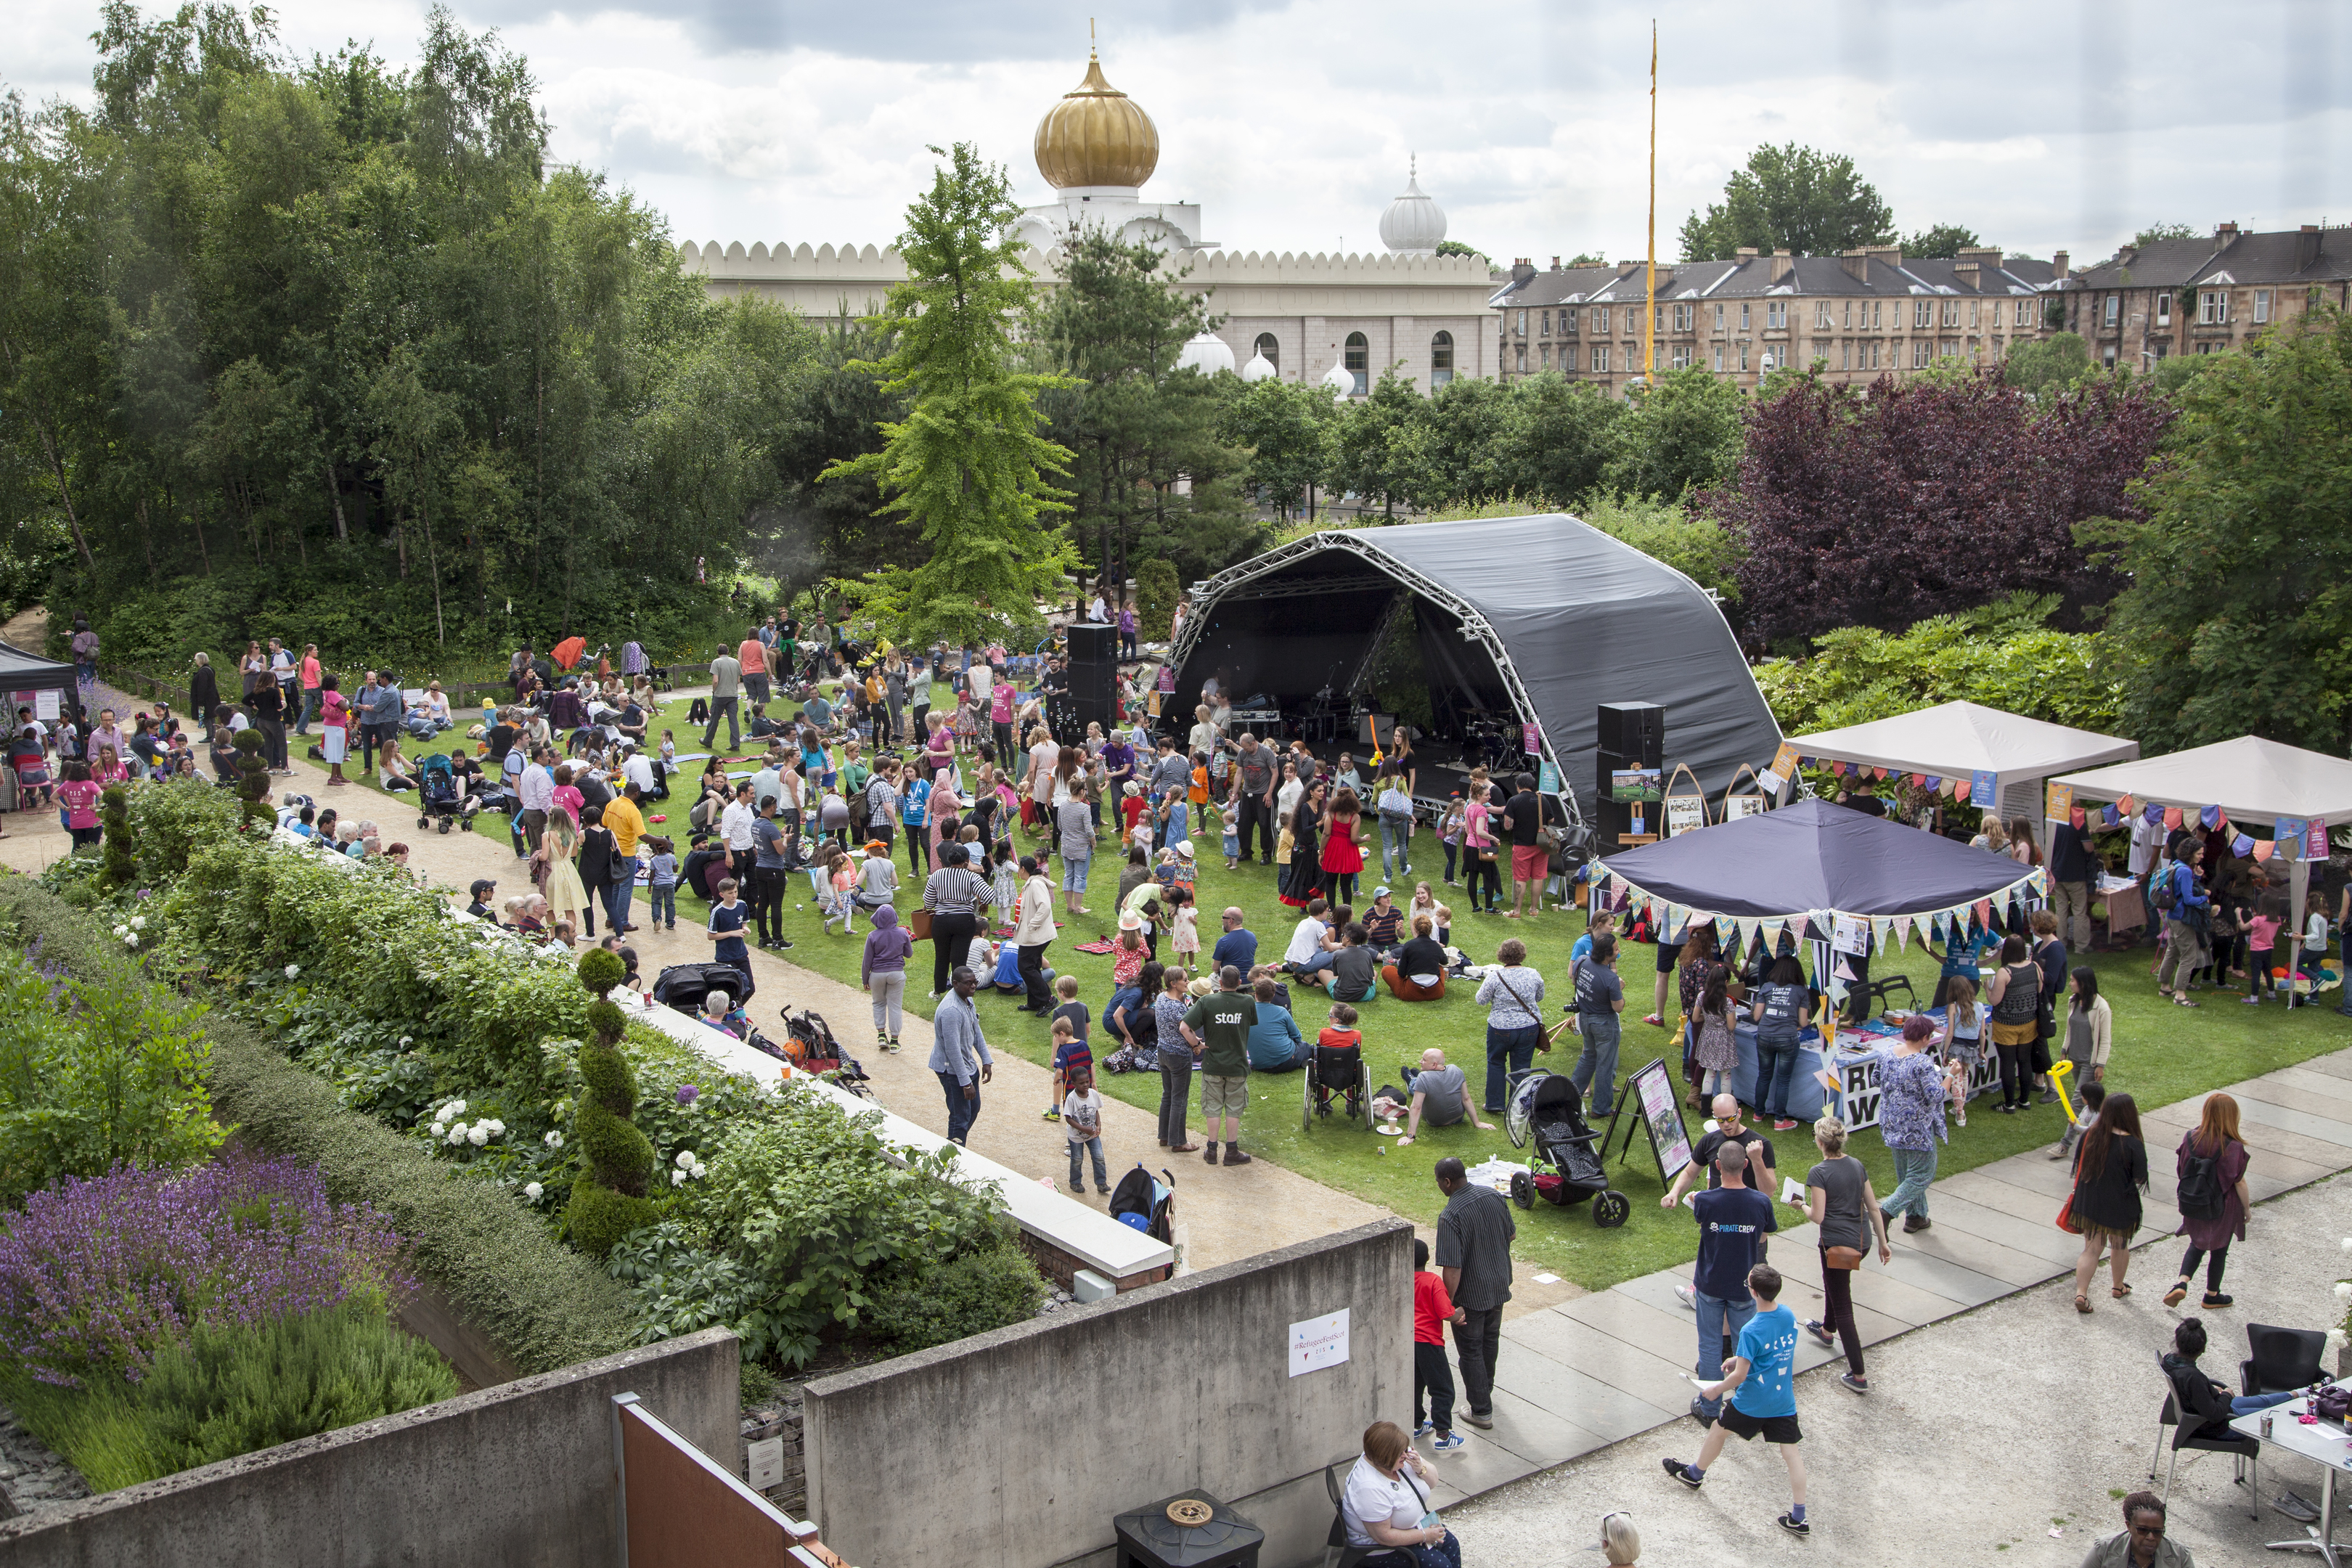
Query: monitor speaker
{"x": 1375, "y": 729}
{"x": 1636, "y": 731}
{"x": 1093, "y": 645}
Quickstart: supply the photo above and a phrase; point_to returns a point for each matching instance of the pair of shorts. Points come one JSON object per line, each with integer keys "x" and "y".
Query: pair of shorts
{"x": 1224, "y": 1096}
{"x": 2015, "y": 1034}
{"x": 1670, "y": 955}
{"x": 1773, "y": 1428}
{"x": 1074, "y": 873}
{"x": 1528, "y": 862}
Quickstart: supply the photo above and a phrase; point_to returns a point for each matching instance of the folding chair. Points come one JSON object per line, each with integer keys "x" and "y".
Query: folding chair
{"x": 2282, "y": 1360}
{"x": 1337, "y": 1552}
{"x": 2244, "y": 1450}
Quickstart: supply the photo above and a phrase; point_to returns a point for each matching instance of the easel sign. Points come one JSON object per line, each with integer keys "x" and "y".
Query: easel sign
{"x": 1653, "y": 1089}
{"x": 1686, "y": 810}
{"x": 1737, "y": 805}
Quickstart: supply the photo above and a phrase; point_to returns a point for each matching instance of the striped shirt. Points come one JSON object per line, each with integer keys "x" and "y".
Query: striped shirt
{"x": 954, "y": 890}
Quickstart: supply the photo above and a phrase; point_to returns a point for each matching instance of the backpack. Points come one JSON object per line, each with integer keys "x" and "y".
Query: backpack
{"x": 2163, "y": 889}
{"x": 2201, "y": 1194}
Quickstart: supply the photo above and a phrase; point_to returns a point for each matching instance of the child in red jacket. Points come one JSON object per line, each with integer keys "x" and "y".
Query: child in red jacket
{"x": 1432, "y": 1311}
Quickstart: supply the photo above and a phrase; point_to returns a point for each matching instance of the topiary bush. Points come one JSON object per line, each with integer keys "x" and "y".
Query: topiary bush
{"x": 253, "y": 780}
{"x": 119, "y": 868}
{"x": 969, "y": 1294}
{"x": 608, "y": 1200}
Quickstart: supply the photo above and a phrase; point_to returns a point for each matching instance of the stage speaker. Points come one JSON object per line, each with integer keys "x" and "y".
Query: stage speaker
{"x": 1634, "y": 730}
{"x": 1093, "y": 645}
{"x": 1375, "y": 729}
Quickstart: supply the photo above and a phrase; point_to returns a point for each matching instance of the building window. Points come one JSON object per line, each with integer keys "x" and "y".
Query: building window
{"x": 1920, "y": 348}
{"x": 1743, "y": 348}
{"x": 1544, "y": 324}
{"x": 1600, "y": 320}
{"x": 1270, "y": 349}
{"x": 1718, "y": 327}
{"x": 2164, "y": 306}
{"x": 1846, "y": 354}
{"x": 2213, "y": 308}
{"x": 1972, "y": 315}
{"x": 1923, "y": 314}
{"x": 1951, "y": 312}
{"x": 1776, "y": 315}
{"x": 2262, "y": 305}
{"x": 2111, "y": 312}
{"x": 1521, "y": 325}
{"x": 1657, "y": 317}
{"x": 1682, "y": 356}
{"x": 1600, "y": 359}
{"x": 1359, "y": 357}
{"x": 1683, "y": 314}
{"x": 1822, "y": 319}
{"x": 1743, "y": 324}
{"x": 1523, "y": 359}
{"x": 1718, "y": 359}
{"x": 2023, "y": 318}
{"x": 1441, "y": 359}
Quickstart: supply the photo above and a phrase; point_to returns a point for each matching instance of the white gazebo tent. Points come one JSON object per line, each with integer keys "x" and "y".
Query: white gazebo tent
{"x": 1964, "y": 742}
{"x": 2268, "y": 791}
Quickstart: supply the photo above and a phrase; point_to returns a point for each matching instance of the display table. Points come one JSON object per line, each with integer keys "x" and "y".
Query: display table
{"x": 1856, "y": 1101}
{"x": 2325, "y": 1442}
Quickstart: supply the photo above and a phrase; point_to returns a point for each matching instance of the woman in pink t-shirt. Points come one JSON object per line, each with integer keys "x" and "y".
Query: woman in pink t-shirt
{"x": 1480, "y": 877}
{"x": 79, "y": 796}
{"x": 568, "y": 798}
{"x": 109, "y": 769}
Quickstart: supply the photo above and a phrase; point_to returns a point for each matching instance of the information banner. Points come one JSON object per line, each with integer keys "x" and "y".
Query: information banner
{"x": 46, "y": 706}
{"x": 1650, "y": 1093}
{"x": 2061, "y": 804}
{"x": 1531, "y": 740}
{"x": 1547, "y": 778}
{"x": 1784, "y": 760}
{"x": 1984, "y": 790}
{"x": 1637, "y": 783}
{"x": 1739, "y": 806}
{"x": 2314, "y": 839}
{"x": 1685, "y": 814}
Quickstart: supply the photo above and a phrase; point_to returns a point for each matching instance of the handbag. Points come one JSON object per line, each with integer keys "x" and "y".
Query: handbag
{"x": 2066, "y": 1221}
{"x": 1841, "y": 1256}
{"x": 918, "y": 925}
{"x": 1543, "y": 1039}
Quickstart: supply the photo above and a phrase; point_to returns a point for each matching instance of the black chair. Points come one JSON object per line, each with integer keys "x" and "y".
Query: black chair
{"x": 2284, "y": 1359}
{"x": 2244, "y": 1450}
{"x": 1337, "y": 1552}
{"x": 1878, "y": 991}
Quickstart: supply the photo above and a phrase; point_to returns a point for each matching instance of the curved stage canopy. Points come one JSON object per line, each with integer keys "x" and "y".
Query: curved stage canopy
{"x": 1537, "y": 619}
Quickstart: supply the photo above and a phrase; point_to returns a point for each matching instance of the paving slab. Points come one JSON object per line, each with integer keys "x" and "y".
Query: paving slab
{"x": 1804, "y": 1298}
{"x": 2039, "y": 1240}
{"x": 1534, "y": 1437}
{"x": 1655, "y": 1290}
{"x": 1953, "y": 1244}
{"x": 2303, "y": 1095}
{"x": 2315, "y": 1078}
{"x": 1882, "y": 1289}
{"x": 2324, "y": 1128}
{"x": 2265, "y": 1142}
{"x": 1986, "y": 1190}
{"x": 1962, "y": 1286}
{"x": 2034, "y": 1171}
{"x": 1637, "y": 1371}
{"x": 1584, "y": 1402}
{"x": 2337, "y": 1064}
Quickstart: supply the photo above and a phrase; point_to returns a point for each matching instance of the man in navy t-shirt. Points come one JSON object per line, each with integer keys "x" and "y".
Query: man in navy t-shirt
{"x": 1763, "y": 1392}
{"x": 1238, "y": 946}
{"x": 1733, "y": 1220}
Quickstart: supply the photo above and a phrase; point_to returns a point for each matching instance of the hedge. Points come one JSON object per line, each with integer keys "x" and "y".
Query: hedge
{"x": 543, "y": 1305}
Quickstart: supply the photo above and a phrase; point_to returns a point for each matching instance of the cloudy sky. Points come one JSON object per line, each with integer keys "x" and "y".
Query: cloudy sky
{"x": 2039, "y": 125}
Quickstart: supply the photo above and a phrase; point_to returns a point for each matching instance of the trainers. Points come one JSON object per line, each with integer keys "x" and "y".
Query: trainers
{"x": 1784, "y": 1125}
{"x": 2049, "y": 1097}
{"x": 1233, "y": 1155}
{"x": 1858, "y": 1384}
{"x": 1821, "y": 1331}
{"x": 1053, "y": 1113}
{"x": 1103, "y": 1188}
{"x": 2215, "y": 1298}
{"x": 1688, "y": 1296}
{"x": 894, "y": 1042}
{"x": 1915, "y": 1223}
{"x": 1795, "y": 1526}
{"x": 1449, "y": 1442}
{"x": 1699, "y": 1412}
{"x": 1682, "y": 1473}
{"x": 1482, "y": 1419}
{"x": 1425, "y": 1428}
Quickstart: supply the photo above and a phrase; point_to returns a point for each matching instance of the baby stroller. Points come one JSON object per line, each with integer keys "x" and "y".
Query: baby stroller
{"x": 683, "y": 986}
{"x": 1334, "y": 1072}
{"x": 1547, "y": 1111}
{"x": 438, "y": 794}
{"x": 1148, "y": 1205}
{"x": 810, "y": 1047}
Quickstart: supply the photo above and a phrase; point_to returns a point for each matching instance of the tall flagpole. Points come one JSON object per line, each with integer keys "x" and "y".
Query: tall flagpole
{"x": 1650, "y": 314}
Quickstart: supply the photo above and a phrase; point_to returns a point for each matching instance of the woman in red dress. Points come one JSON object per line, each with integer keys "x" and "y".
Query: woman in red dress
{"x": 1342, "y": 855}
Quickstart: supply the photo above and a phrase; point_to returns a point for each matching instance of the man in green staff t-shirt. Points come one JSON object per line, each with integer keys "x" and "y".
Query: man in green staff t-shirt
{"x": 1217, "y": 1027}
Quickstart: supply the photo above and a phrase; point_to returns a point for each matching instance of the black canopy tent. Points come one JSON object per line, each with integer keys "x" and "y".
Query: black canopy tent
{"x": 1543, "y": 618}
{"x": 24, "y": 675}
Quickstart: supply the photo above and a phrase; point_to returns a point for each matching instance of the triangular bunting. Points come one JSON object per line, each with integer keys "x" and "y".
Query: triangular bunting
{"x": 2265, "y": 848}
{"x": 2173, "y": 818}
{"x": 2210, "y": 817}
{"x": 1984, "y": 912}
{"x": 2241, "y": 845}
{"x": 1749, "y": 928}
{"x": 1881, "y": 928}
{"x": 1960, "y": 790}
{"x": 1772, "y": 927}
{"x": 1724, "y": 928}
{"x": 1903, "y": 932}
{"x": 2126, "y": 805}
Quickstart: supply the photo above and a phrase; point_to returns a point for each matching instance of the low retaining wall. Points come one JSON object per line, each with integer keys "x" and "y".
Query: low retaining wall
{"x": 513, "y": 1477}
{"x": 1119, "y": 1403}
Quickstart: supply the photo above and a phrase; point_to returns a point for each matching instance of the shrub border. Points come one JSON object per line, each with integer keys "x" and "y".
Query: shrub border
{"x": 542, "y": 1305}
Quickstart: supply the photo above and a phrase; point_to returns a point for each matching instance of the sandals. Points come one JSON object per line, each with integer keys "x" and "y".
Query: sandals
{"x": 2120, "y": 1291}
{"x": 2082, "y": 1303}
{"x": 2185, "y": 1002}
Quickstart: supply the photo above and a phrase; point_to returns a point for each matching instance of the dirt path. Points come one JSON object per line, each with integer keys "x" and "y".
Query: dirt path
{"x": 1226, "y": 1213}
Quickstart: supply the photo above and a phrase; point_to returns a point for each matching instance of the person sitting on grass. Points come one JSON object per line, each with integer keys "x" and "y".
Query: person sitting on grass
{"x": 1275, "y": 1042}
{"x": 1355, "y": 972}
{"x": 1419, "y": 973}
{"x": 1440, "y": 1092}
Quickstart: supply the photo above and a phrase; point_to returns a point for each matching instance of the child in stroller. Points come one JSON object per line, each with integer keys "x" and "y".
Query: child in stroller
{"x": 1547, "y": 1111}
{"x": 440, "y": 796}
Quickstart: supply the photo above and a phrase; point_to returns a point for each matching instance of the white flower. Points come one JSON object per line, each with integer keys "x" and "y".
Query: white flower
{"x": 479, "y": 1135}
{"x": 457, "y": 1133}
{"x": 456, "y": 1108}
{"x": 122, "y": 930}
{"x": 405, "y": 1041}
{"x": 496, "y": 1126}
{"x": 677, "y": 1178}
{"x": 292, "y": 970}
{"x": 686, "y": 1159}
{"x": 2344, "y": 1289}
{"x": 553, "y": 1140}
{"x": 138, "y": 922}
{"x": 2336, "y": 1342}
{"x": 130, "y": 939}
{"x": 534, "y": 1191}
{"x": 701, "y": 1170}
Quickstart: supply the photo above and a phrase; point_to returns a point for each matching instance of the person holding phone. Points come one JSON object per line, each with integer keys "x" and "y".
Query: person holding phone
{"x": 1384, "y": 1506}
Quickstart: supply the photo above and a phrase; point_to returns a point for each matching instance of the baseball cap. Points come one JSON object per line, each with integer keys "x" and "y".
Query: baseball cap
{"x": 483, "y": 885}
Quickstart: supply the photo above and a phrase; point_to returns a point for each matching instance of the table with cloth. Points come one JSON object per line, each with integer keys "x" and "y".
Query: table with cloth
{"x": 1856, "y": 1100}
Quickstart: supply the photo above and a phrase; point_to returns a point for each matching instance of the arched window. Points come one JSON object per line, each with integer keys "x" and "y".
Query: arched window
{"x": 1441, "y": 359}
{"x": 1270, "y": 349}
{"x": 1358, "y": 361}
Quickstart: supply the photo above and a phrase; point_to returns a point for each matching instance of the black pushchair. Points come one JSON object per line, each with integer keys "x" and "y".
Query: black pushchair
{"x": 1147, "y": 1204}
{"x": 439, "y": 797}
{"x": 683, "y": 986}
{"x": 1334, "y": 1072}
{"x": 1547, "y": 1112}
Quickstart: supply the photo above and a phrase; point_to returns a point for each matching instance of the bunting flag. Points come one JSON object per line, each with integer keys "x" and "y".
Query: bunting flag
{"x": 2173, "y": 818}
{"x": 1918, "y": 781}
{"x": 2078, "y": 818}
{"x": 1984, "y": 912}
{"x": 1837, "y": 769}
{"x": 1960, "y": 790}
{"x": 2109, "y": 816}
{"x": 1750, "y": 928}
{"x": 2241, "y": 845}
{"x": 1903, "y": 932}
{"x": 1773, "y": 929}
{"x": 2210, "y": 817}
{"x": 1724, "y": 928}
{"x": 1881, "y": 928}
{"x": 1933, "y": 782}
{"x": 2040, "y": 880}
{"x": 1843, "y": 971}
{"x": 1878, "y": 773}
{"x": 2265, "y": 848}
{"x": 2126, "y": 805}
{"x": 2152, "y": 812}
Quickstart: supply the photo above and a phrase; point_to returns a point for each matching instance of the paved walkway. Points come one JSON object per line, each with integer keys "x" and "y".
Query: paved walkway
{"x": 1221, "y": 1215}
{"x": 1588, "y": 1373}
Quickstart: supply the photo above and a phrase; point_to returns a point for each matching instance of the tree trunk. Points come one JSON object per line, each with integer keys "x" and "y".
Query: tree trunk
{"x": 335, "y": 495}
{"x": 147, "y": 540}
{"x": 432, "y": 564}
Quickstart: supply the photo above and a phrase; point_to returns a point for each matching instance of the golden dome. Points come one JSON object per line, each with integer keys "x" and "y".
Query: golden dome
{"x": 1096, "y": 136}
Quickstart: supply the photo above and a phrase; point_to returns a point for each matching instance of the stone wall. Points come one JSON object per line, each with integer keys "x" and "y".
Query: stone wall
{"x": 518, "y": 1476}
{"x": 1119, "y": 1403}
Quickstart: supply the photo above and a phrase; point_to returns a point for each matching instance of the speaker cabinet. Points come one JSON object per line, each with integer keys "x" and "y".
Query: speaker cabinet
{"x": 1636, "y": 731}
{"x": 1093, "y": 645}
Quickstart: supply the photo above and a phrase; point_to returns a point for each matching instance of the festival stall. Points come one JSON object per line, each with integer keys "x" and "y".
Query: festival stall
{"x": 2276, "y": 801}
{"x": 1966, "y": 752}
{"x": 1846, "y": 882}
{"x": 27, "y": 680}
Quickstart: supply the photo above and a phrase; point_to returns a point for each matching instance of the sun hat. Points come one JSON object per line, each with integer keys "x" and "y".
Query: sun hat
{"x": 1131, "y": 921}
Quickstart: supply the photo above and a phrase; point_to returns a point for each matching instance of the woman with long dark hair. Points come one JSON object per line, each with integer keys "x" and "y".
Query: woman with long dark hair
{"x": 2210, "y": 1163}
{"x": 1343, "y": 857}
{"x": 2015, "y": 996}
{"x": 1302, "y": 879}
{"x": 2110, "y": 1173}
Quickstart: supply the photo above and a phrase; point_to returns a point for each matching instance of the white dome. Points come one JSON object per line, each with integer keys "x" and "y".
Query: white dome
{"x": 1207, "y": 353}
{"x": 1259, "y": 368}
{"x": 1340, "y": 381}
{"x": 1413, "y": 224}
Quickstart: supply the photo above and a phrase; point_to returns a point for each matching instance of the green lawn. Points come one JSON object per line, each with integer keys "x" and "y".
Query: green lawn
{"x": 2162, "y": 1054}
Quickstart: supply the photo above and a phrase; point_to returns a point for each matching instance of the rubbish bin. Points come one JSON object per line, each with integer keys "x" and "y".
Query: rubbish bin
{"x": 1191, "y": 1530}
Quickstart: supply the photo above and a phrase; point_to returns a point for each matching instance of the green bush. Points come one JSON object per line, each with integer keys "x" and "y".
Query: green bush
{"x": 1155, "y": 598}
{"x": 608, "y": 1200}
{"x": 966, "y": 1295}
{"x": 253, "y": 780}
{"x": 237, "y": 1388}
{"x": 169, "y": 818}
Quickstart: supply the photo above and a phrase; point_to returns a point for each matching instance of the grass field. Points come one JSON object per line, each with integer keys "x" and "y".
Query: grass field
{"x": 2162, "y": 1054}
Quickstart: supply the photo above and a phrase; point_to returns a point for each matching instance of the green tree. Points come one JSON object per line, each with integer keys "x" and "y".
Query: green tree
{"x": 1560, "y": 440}
{"x": 1286, "y": 427}
{"x": 1666, "y": 531}
{"x": 1588, "y": 258}
{"x": 1456, "y": 247}
{"x": 1940, "y": 241}
{"x": 2239, "y": 612}
{"x": 2055, "y": 362}
{"x": 2156, "y": 231}
{"x": 966, "y": 468}
{"x": 1790, "y": 198}
{"x": 1681, "y": 431}
{"x": 1384, "y": 448}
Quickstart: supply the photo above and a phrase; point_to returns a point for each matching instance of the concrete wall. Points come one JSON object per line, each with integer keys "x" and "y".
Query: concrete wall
{"x": 512, "y": 1476}
{"x": 1018, "y": 1447}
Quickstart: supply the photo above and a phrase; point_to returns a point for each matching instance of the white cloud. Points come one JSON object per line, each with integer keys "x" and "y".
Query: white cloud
{"x": 1291, "y": 122}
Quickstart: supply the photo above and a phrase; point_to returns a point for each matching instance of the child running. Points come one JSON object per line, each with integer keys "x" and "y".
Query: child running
{"x": 1762, "y": 1396}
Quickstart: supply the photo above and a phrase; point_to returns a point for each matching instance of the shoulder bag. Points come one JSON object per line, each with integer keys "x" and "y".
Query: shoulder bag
{"x": 1543, "y": 1038}
{"x": 2066, "y": 1220}
{"x": 1841, "y": 1257}
{"x": 918, "y": 925}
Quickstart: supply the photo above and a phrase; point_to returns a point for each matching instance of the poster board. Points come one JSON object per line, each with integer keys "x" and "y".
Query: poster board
{"x": 1686, "y": 809}
{"x": 1651, "y": 1088}
{"x": 1637, "y": 783}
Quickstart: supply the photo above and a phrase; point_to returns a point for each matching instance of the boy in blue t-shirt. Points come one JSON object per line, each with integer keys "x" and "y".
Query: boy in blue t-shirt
{"x": 1763, "y": 1396}
{"x": 728, "y": 918}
